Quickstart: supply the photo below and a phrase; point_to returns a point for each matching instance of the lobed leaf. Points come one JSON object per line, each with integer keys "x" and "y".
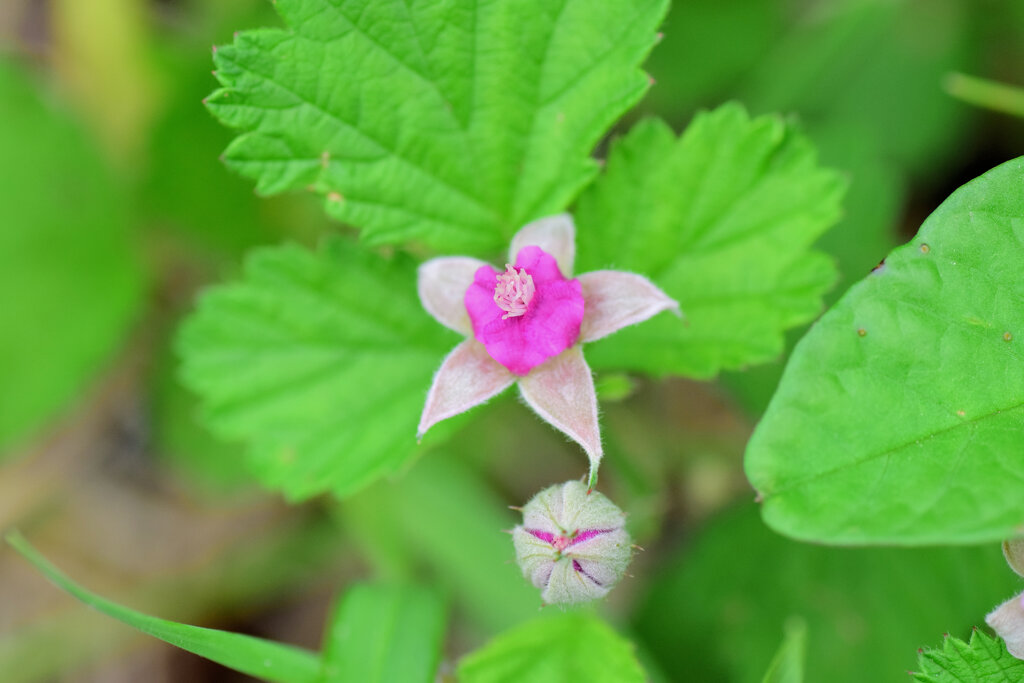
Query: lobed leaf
{"x": 320, "y": 361}
{"x": 982, "y": 660}
{"x": 253, "y": 656}
{"x": 566, "y": 647}
{"x": 452, "y": 122}
{"x": 899, "y": 417}
{"x": 722, "y": 219}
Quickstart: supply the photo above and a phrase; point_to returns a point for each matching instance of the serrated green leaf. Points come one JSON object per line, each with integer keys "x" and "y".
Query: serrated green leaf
{"x": 320, "y": 361}
{"x": 788, "y": 665}
{"x": 69, "y": 279}
{"x": 983, "y": 660}
{"x": 381, "y": 634}
{"x": 899, "y": 416}
{"x": 567, "y": 647}
{"x": 261, "y": 658}
{"x": 450, "y": 122}
{"x": 867, "y": 609}
{"x": 722, "y": 219}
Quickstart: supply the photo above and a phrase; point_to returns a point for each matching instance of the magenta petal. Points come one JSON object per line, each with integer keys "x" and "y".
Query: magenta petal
{"x": 467, "y": 377}
{"x": 562, "y": 392}
{"x": 554, "y": 234}
{"x": 540, "y": 265}
{"x": 550, "y": 325}
{"x": 616, "y": 299}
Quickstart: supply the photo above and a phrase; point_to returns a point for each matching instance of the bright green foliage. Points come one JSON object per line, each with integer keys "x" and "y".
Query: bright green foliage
{"x": 722, "y": 219}
{"x": 382, "y": 634}
{"x": 319, "y": 360}
{"x": 788, "y": 665}
{"x": 983, "y": 660}
{"x": 69, "y": 281}
{"x": 899, "y": 416}
{"x": 265, "y": 659}
{"x": 867, "y": 610}
{"x": 450, "y": 122}
{"x": 566, "y": 647}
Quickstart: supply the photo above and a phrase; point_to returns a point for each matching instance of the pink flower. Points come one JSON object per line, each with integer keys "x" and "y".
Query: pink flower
{"x": 526, "y": 324}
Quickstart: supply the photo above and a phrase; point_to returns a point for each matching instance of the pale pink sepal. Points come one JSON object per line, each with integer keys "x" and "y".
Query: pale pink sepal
{"x": 442, "y": 284}
{"x": 562, "y": 392}
{"x": 1007, "y": 621}
{"x": 554, "y": 234}
{"x": 615, "y": 299}
{"x": 467, "y": 377}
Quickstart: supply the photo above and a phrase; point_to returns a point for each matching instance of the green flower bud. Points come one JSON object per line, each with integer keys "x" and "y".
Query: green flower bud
{"x": 572, "y": 544}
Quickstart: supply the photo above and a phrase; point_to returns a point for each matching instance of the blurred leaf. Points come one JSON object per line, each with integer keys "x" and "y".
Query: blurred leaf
{"x": 876, "y": 63}
{"x": 319, "y": 360}
{"x": 708, "y": 46}
{"x": 451, "y": 521}
{"x": 721, "y": 219}
{"x": 396, "y": 114}
{"x": 265, "y": 659}
{"x": 985, "y": 93}
{"x": 867, "y": 609}
{"x": 788, "y": 665}
{"x": 566, "y": 647}
{"x": 984, "y": 660}
{"x": 70, "y": 280}
{"x": 899, "y": 415}
{"x": 383, "y": 634}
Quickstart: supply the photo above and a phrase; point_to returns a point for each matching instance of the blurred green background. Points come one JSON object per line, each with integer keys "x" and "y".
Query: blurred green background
{"x": 114, "y": 211}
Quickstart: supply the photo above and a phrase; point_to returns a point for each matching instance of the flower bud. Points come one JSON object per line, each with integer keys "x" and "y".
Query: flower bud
{"x": 572, "y": 544}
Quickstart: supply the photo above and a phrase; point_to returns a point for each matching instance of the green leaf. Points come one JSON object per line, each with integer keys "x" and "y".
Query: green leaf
{"x": 722, "y": 219}
{"x": 567, "y": 647}
{"x": 867, "y": 610}
{"x": 319, "y": 360}
{"x": 71, "y": 281}
{"x": 450, "y": 122}
{"x": 381, "y": 634}
{"x": 265, "y": 659}
{"x": 788, "y": 665}
{"x": 983, "y": 660}
{"x": 899, "y": 416}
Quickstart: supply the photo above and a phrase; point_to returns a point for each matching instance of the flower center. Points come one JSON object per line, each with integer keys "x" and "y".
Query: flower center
{"x": 514, "y": 292}
{"x": 560, "y": 543}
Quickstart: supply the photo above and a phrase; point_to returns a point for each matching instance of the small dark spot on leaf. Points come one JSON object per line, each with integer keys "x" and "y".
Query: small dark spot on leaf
{"x": 1007, "y": 336}
{"x": 925, "y": 248}
{"x": 879, "y": 269}
{"x": 862, "y": 332}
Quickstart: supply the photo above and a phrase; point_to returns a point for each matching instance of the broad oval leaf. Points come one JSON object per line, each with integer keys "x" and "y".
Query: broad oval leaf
{"x": 382, "y": 633}
{"x": 567, "y": 647}
{"x": 901, "y": 414}
{"x": 320, "y": 361}
{"x": 722, "y": 219}
{"x": 452, "y": 122}
{"x": 70, "y": 282}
